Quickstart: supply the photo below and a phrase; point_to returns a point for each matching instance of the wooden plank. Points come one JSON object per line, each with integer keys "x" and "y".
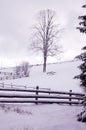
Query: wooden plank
{"x": 39, "y": 101}
{"x": 41, "y": 91}
{"x": 39, "y": 96}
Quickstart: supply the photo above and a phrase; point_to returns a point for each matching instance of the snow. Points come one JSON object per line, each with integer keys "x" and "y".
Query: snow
{"x": 42, "y": 117}
{"x": 62, "y": 80}
{"x": 45, "y": 116}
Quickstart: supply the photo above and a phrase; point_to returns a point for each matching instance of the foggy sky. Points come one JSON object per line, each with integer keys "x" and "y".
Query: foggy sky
{"x": 18, "y": 16}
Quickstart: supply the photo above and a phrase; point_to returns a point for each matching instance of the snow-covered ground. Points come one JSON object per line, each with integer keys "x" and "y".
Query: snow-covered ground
{"x": 44, "y": 117}
{"x": 62, "y": 80}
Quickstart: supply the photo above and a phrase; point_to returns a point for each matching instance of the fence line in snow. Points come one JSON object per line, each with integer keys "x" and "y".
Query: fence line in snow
{"x": 39, "y": 96}
{"x": 3, "y": 85}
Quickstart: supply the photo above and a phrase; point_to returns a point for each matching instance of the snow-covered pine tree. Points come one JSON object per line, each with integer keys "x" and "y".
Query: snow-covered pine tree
{"x": 82, "y": 56}
{"x": 82, "y": 24}
{"x": 82, "y": 67}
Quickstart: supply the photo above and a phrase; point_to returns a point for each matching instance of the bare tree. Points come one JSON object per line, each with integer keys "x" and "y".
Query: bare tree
{"x": 23, "y": 70}
{"x": 45, "y": 38}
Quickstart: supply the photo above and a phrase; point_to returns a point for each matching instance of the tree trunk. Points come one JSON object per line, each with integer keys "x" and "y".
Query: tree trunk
{"x": 44, "y": 64}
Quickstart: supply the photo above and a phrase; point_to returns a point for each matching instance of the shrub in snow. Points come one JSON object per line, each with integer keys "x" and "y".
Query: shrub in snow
{"x": 17, "y": 71}
{"x": 82, "y": 115}
{"x": 23, "y": 70}
{"x": 9, "y": 108}
{"x": 20, "y": 111}
{"x": 51, "y": 73}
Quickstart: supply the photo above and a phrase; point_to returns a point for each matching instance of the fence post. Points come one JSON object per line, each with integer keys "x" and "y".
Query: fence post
{"x": 70, "y": 96}
{"x": 37, "y": 88}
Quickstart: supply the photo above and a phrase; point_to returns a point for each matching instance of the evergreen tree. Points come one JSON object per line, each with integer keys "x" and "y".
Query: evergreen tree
{"x": 82, "y": 67}
{"x": 82, "y": 56}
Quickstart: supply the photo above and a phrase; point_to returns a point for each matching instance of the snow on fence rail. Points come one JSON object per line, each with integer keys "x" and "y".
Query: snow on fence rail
{"x": 39, "y": 96}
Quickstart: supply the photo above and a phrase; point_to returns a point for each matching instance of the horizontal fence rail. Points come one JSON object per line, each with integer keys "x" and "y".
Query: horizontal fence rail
{"x": 40, "y": 96}
{"x": 37, "y": 95}
{"x": 38, "y": 101}
{"x": 41, "y": 91}
{"x": 2, "y": 85}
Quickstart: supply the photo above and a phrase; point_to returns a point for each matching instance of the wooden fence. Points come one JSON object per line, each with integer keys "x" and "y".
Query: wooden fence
{"x": 37, "y": 95}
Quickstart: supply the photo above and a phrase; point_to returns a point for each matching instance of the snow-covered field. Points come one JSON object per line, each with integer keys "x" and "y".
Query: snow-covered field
{"x": 42, "y": 117}
{"x": 62, "y": 80}
{"x": 45, "y": 117}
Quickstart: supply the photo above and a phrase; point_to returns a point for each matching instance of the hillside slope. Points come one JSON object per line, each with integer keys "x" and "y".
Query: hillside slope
{"x": 61, "y": 80}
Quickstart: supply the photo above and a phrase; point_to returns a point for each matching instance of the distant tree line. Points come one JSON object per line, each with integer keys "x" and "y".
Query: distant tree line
{"x": 22, "y": 70}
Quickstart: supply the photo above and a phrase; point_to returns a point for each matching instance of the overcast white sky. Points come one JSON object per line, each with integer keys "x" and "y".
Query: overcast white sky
{"x": 18, "y": 16}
